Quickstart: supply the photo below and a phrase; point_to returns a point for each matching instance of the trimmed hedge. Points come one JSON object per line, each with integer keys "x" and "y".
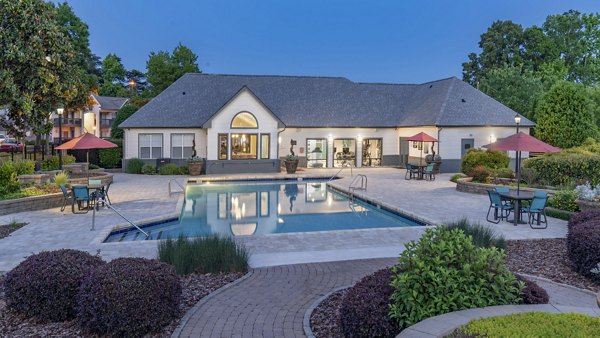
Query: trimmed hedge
{"x": 46, "y": 285}
{"x": 366, "y": 305}
{"x": 148, "y": 169}
{"x": 170, "y": 169}
{"x": 490, "y": 159}
{"x": 134, "y": 166}
{"x": 583, "y": 242}
{"x": 564, "y": 168}
{"x": 111, "y": 157}
{"x": 443, "y": 272}
{"x": 51, "y": 162}
{"x": 564, "y": 200}
{"x": 532, "y": 293}
{"x": 129, "y": 297}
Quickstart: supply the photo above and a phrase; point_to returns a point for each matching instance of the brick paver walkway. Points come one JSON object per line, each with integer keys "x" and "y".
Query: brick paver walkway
{"x": 271, "y": 302}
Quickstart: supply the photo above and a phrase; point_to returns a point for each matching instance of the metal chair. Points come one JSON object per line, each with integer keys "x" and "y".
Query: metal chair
{"x": 94, "y": 182}
{"x": 105, "y": 192}
{"x": 429, "y": 171}
{"x": 67, "y": 196}
{"x": 497, "y": 204}
{"x": 504, "y": 190}
{"x": 536, "y": 210}
{"x": 80, "y": 194}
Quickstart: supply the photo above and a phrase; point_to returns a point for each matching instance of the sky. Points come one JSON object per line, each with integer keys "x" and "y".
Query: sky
{"x": 365, "y": 41}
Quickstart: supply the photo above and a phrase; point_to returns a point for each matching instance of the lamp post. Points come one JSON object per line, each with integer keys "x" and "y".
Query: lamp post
{"x": 517, "y": 121}
{"x": 60, "y": 112}
{"x": 518, "y": 159}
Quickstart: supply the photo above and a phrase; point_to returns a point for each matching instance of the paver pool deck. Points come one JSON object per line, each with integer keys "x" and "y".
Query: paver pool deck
{"x": 141, "y": 197}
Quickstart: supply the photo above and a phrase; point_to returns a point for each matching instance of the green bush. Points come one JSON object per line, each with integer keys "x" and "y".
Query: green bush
{"x": 111, "y": 157}
{"x": 24, "y": 167}
{"x": 444, "y": 272}
{"x": 482, "y": 236}
{"x": 210, "y": 254}
{"x": 169, "y": 169}
{"x": 61, "y": 178}
{"x": 564, "y": 200}
{"x": 134, "y": 166}
{"x": 565, "y": 167}
{"x": 148, "y": 169}
{"x": 532, "y": 324}
{"x": 504, "y": 173}
{"x": 491, "y": 159}
{"x": 8, "y": 179}
{"x": 456, "y": 177}
{"x": 51, "y": 162}
{"x": 560, "y": 214}
{"x": 480, "y": 174}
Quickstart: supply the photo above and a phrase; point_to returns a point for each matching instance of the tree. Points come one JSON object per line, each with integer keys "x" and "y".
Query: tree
{"x": 139, "y": 81}
{"x": 516, "y": 89}
{"x": 38, "y": 65}
{"x": 565, "y": 116}
{"x": 163, "y": 68}
{"x": 113, "y": 76}
{"x": 122, "y": 115}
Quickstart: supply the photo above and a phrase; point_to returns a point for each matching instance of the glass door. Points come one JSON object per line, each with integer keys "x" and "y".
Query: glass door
{"x": 344, "y": 152}
{"x": 316, "y": 153}
{"x": 372, "y": 152}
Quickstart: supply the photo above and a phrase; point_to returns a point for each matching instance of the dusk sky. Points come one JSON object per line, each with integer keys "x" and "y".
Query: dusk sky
{"x": 367, "y": 41}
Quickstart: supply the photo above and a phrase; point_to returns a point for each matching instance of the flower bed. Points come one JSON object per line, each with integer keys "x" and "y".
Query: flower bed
{"x": 466, "y": 185}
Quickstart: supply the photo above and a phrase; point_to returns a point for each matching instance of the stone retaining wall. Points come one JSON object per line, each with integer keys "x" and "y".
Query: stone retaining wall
{"x": 30, "y": 203}
{"x": 465, "y": 185}
{"x": 104, "y": 177}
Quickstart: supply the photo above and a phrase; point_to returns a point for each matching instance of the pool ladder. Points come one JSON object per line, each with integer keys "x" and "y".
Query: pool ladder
{"x": 179, "y": 184}
{"x": 358, "y": 179}
{"x": 344, "y": 166}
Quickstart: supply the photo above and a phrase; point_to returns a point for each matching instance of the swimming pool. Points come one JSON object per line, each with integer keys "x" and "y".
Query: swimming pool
{"x": 254, "y": 208}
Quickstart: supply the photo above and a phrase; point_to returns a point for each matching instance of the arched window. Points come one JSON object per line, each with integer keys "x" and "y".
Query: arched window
{"x": 244, "y": 120}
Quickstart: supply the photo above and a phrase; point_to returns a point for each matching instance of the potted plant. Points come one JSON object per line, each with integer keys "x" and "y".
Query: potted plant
{"x": 436, "y": 160}
{"x": 195, "y": 164}
{"x": 588, "y": 197}
{"x": 291, "y": 161}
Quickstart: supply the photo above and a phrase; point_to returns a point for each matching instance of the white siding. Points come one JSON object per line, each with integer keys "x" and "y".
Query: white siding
{"x": 131, "y": 140}
{"x": 450, "y": 137}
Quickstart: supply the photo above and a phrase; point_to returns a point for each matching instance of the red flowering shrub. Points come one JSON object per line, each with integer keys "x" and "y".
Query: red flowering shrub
{"x": 583, "y": 242}
{"x": 532, "y": 293}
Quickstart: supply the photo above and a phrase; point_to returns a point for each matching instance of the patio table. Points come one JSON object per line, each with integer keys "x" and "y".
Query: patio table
{"x": 421, "y": 168}
{"x": 99, "y": 189}
{"x": 517, "y": 198}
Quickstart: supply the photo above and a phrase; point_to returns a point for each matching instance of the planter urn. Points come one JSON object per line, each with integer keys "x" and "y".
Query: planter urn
{"x": 291, "y": 166}
{"x": 195, "y": 168}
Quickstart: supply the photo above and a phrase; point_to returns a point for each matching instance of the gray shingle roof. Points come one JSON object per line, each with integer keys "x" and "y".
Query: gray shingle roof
{"x": 109, "y": 102}
{"x": 301, "y": 101}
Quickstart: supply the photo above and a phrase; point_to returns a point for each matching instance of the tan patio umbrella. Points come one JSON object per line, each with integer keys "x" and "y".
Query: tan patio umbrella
{"x": 521, "y": 142}
{"x": 86, "y": 141}
{"x": 422, "y": 137}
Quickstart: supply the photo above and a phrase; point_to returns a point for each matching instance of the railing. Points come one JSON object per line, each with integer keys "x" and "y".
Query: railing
{"x": 360, "y": 178}
{"x": 106, "y": 122}
{"x": 344, "y": 166}
{"x": 174, "y": 180}
{"x": 101, "y": 199}
{"x": 68, "y": 121}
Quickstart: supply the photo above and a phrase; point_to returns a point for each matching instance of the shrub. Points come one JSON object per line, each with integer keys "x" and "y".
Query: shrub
{"x": 51, "y": 162}
{"x": 129, "y": 297}
{"x": 482, "y": 236}
{"x": 183, "y": 170}
{"x": 560, "y": 214}
{"x": 532, "y": 293}
{"x": 93, "y": 166}
{"x": 562, "y": 168}
{"x": 444, "y": 272}
{"x": 24, "y": 167}
{"x": 529, "y": 176}
{"x": 490, "y": 159}
{"x": 583, "y": 242}
{"x": 8, "y": 179}
{"x": 111, "y": 157}
{"x": 587, "y": 193}
{"x": 456, "y": 177}
{"x": 203, "y": 254}
{"x": 532, "y": 324}
{"x": 61, "y": 178}
{"x": 148, "y": 169}
{"x": 169, "y": 169}
{"x": 480, "y": 174}
{"x": 134, "y": 166}
{"x": 45, "y": 285}
{"x": 504, "y": 173}
{"x": 564, "y": 200}
{"x": 365, "y": 307}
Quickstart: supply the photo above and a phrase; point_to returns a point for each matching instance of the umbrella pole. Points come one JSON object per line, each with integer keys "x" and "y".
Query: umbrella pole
{"x": 88, "y": 163}
{"x": 518, "y": 172}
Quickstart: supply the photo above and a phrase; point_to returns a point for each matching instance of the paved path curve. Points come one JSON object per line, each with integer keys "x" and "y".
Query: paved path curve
{"x": 271, "y": 302}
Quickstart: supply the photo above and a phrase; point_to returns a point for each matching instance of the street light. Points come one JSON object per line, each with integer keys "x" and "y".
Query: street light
{"x": 60, "y": 112}
{"x": 518, "y": 153}
{"x": 517, "y": 121}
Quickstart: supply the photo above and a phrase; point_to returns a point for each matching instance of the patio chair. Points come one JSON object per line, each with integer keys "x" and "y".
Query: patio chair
{"x": 536, "y": 210}
{"x": 67, "y": 196}
{"x": 429, "y": 172}
{"x": 497, "y": 204}
{"x": 94, "y": 182}
{"x": 540, "y": 194}
{"x": 504, "y": 190}
{"x": 81, "y": 194}
{"x": 105, "y": 192}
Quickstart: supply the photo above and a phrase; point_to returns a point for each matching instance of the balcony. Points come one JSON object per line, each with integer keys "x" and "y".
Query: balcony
{"x": 68, "y": 122}
{"x": 106, "y": 123}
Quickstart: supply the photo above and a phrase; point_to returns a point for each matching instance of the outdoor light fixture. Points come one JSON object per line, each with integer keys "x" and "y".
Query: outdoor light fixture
{"x": 517, "y": 121}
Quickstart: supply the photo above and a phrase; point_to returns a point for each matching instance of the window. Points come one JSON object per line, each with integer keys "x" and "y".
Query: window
{"x": 344, "y": 151}
{"x": 182, "y": 145}
{"x": 223, "y": 143}
{"x": 316, "y": 153}
{"x": 244, "y": 146}
{"x": 265, "y": 140}
{"x": 372, "y": 152}
{"x": 150, "y": 145}
{"x": 244, "y": 120}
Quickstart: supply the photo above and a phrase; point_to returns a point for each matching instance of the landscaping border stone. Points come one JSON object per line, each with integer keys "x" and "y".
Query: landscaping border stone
{"x": 31, "y": 203}
{"x": 466, "y": 185}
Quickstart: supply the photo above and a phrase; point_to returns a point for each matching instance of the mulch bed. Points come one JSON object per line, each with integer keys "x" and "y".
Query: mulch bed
{"x": 7, "y": 229}
{"x": 195, "y": 287}
{"x": 540, "y": 257}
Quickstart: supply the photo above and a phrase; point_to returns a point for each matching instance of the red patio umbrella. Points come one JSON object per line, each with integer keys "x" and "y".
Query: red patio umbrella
{"x": 86, "y": 141}
{"x": 521, "y": 142}
{"x": 422, "y": 137}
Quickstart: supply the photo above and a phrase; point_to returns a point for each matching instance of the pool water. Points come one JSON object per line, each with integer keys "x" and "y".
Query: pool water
{"x": 266, "y": 207}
